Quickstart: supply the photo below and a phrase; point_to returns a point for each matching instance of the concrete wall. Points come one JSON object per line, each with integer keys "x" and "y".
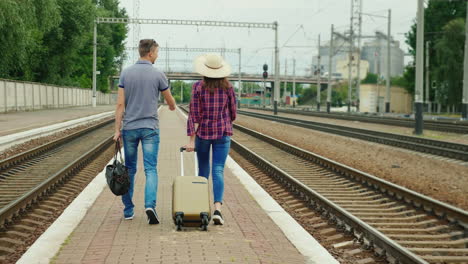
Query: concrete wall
{"x": 25, "y": 96}
{"x": 400, "y": 102}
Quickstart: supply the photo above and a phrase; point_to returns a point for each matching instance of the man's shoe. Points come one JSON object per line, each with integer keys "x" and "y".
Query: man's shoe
{"x": 129, "y": 216}
{"x": 152, "y": 216}
{"x": 218, "y": 218}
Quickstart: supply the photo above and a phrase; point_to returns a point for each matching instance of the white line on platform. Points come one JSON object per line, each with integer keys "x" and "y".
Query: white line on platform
{"x": 17, "y": 138}
{"x": 49, "y": 243}
{"x": 301, "y": 239}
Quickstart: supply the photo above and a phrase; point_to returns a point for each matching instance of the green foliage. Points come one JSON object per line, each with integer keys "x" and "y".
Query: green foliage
{"x": 299, "y": 89}
{"x": 50, "y": 41}
{"x": 441, "y": 32}
{"x": 408, "y": 80}
{"x": 340, "y": 95}
{"x": 306, "y": 96}
{"x": 176, "y": 86}
{"x": 449, "y": 55}
{"x": 399, "y": 81}
{"x": 371, "y": 78}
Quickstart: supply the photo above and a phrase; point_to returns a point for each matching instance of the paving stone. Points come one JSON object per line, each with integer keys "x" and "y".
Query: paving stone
{"x": 248, "y": 236}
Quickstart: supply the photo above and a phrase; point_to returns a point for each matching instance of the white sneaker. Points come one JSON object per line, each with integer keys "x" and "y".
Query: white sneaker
{"x": 152, "y": 216}
{"x": 218, "y": 218}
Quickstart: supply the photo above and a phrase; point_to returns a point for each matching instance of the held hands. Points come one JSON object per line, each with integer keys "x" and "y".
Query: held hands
{"x": 172, "y": 107}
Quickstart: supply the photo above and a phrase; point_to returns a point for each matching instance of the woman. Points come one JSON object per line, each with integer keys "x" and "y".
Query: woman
{"x": 209, "y": 125}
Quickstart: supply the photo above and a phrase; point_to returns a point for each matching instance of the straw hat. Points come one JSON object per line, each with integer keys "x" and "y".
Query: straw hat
{"x": 212, "y": 66}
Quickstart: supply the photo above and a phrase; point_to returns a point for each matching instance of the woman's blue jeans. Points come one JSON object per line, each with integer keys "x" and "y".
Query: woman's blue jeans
{"x": 149, "y": 139}
{"x": 220, "y": 152}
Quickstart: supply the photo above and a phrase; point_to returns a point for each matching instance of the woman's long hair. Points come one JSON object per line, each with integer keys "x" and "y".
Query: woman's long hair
{"x": 212, "y": 83}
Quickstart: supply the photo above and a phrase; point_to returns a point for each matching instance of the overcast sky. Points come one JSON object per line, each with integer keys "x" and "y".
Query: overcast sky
{"x": 315, "y": 17}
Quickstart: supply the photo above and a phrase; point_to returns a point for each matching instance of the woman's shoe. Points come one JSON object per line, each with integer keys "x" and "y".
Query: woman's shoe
{"x": 218, "y": 218}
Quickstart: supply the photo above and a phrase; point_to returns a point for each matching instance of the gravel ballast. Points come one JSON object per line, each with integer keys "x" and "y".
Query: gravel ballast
{"x": 407, "y": 131}
{"x": 438, "y": 179}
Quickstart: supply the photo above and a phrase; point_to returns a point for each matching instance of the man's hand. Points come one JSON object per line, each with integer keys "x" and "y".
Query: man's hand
{"x": 117, "y": 135}
{"x": 169, "y": 99}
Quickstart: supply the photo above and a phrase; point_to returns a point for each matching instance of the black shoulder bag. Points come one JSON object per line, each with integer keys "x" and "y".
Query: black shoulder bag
{"x": 117, "y": 174}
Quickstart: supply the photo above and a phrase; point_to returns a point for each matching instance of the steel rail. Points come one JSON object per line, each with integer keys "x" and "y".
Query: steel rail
{"x": 459, "y": 127}
{"x": 440, "y": 148}
{"x": 6, "y": 163}
{"x": 17, "y": 206}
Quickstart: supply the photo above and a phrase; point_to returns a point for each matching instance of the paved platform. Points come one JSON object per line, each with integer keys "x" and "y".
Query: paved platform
{"x": 14, "y": 122}
{"x": 248, "y": 236}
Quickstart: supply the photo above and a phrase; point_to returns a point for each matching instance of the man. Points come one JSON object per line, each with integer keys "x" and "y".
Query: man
{"x": 139, "y": 89}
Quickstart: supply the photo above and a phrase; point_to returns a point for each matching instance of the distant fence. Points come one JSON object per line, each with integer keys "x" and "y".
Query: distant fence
{"x": 25, "y": 96}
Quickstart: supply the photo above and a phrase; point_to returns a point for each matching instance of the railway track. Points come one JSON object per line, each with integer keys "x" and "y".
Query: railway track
{"x": 36, "y": 186}
{"x": 458, "y": 152}
{"x": 397, "y": 224}
{"x": 459, "y": 127}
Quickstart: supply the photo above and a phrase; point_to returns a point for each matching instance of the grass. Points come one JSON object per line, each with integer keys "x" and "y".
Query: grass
{"x": 67, "y": 240}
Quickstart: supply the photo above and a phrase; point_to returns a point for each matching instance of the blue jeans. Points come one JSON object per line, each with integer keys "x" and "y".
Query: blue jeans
{"x": 220, "y": 151}
{"x": 150, "y": 144}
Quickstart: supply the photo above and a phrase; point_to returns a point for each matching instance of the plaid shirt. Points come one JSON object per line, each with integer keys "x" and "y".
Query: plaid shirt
{"x": 213, "y": 112}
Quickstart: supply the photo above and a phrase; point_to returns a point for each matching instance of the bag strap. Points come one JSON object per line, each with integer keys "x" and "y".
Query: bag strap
{"x": 118, "y": 151}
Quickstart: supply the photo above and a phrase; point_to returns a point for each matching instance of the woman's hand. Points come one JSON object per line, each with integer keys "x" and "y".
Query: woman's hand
{"x": 190, "y": 146}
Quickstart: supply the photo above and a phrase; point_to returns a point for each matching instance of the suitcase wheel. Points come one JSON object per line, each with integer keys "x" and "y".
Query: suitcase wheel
{"x": 204, "y": 221}
{"x": 179, "y": 221}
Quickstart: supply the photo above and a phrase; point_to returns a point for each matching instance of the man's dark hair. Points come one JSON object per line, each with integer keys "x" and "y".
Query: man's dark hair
{"x": 147, "y": 45}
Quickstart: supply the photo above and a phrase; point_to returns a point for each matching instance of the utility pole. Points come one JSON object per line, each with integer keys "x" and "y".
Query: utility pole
{"x": 318, "y": 76}
{"x": 377, "y": 68}
{"x": 294, "y": 82}
{"x": 240, "y": 83}
{"x": 285, "y": 83}
{"x": 387, "y": 98}
{"x": 358, "y": 83}
{"x": 182, "y": 92}
{"x": 350, "y": 65}
{"x": 427, "y": 95}
{"x": 136, "y": 28}
{"x": 330, "y": 56}
{"x": 277, "y": 86}
{"x": 93, "y": 100}
{"x": 263, "y": 93}
{"x": 465, "y": 72}
{"x": 419, "y": 69}
{"x": 167, "y": 57}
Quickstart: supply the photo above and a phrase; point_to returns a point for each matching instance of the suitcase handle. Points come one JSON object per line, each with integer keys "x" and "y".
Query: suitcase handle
{"x": 182, "y": 149}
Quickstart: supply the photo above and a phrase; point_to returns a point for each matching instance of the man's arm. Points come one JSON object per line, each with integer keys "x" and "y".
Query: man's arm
{"x": 119, "y": 109}
{"x": 169, "y": 99}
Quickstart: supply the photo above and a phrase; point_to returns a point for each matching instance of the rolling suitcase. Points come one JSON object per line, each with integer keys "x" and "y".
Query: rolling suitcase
{"x": 190, "y": 199}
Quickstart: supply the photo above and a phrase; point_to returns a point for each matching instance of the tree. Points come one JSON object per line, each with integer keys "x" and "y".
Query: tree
{"x": 187, "y": 88}
{"x": 438, "y": 14}
{"x": 23, "y": 25}
{"x": 371, "y": 78}
{"x": 449, "y": 56}
{"x": 307, "y": 95}
{"x": 51, "y": 41}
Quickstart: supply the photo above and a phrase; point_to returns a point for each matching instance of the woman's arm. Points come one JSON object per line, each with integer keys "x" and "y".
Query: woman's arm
{"x": 194, "y": 117}
{"x": 232, "y": 104}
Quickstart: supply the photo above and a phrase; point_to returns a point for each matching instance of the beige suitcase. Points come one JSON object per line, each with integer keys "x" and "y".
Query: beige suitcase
{"x": 190, "y": 199}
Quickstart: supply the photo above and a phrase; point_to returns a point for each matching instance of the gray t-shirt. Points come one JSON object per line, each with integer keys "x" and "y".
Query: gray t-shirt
{"x": 142, "y": 83}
